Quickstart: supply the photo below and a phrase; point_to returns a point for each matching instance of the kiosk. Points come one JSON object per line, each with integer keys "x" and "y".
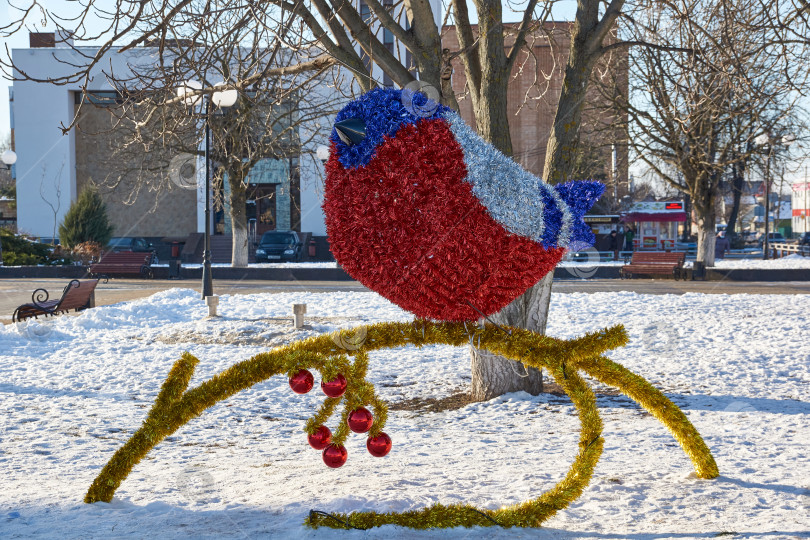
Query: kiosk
{"x": 656, "y": 224}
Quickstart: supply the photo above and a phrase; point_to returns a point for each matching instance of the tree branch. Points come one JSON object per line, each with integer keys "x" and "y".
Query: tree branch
{"x": 343, "y": 50}
{"x": 388, "y": 22}
{"x": 637, "y": 43}
{"x": 520, "y": 37}
{"x": 467, "y": 43}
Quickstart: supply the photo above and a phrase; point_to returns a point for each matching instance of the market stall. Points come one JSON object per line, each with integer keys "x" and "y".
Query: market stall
{"x": 657, "y": 224}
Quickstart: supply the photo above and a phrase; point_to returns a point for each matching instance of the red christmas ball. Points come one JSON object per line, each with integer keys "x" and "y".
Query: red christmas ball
{"x": 380, "y": 445}
{"x": 321, "y": 438}
{"x": 335, "y": 387}
{"x": 360, "y": 420}
{"x": 302, "y": 382}
{"x": 335, "y": 456}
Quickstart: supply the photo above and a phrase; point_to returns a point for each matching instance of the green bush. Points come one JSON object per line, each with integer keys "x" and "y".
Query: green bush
{"x": 18, "y": 251}
{"x": 86, "y": 221}
{"x": 20, "y": 259}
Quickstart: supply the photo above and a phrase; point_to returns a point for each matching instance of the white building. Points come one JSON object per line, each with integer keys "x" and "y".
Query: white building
{"x": 800, "y": 206}
{"x": 52, "y": 166}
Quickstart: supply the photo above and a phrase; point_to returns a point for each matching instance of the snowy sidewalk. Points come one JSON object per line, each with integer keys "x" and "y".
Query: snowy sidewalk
{"x": 75, "y": 388}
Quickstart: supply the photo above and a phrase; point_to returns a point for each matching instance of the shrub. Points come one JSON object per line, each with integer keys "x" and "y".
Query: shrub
{"x": 19, "y": 251}
{"x": 87, "y": 252}
{"x": 86, "y": 221}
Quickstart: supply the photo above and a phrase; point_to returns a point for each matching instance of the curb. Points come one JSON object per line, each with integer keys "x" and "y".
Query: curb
{"x": 162, "y": 272}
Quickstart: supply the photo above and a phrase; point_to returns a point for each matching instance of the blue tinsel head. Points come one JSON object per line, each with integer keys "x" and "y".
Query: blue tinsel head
{"x": 384, "y": 111}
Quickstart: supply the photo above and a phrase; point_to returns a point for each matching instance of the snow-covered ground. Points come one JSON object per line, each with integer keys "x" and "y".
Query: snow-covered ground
{"x": 581, "y": 268}
{"x": 791, "y": 261}
{"x": 73, "y": 389}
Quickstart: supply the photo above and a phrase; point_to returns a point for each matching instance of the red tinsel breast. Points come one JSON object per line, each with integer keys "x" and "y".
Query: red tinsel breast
{"x": 409, "y": 227}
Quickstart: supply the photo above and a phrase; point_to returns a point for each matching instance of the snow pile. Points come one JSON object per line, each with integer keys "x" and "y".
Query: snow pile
{"x": 791, "y": 261}
{"x": 75, "y": 388}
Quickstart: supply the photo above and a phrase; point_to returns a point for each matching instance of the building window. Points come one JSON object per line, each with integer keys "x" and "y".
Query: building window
{"x": 99, "y": 99}
{"x": 365, "y": 12}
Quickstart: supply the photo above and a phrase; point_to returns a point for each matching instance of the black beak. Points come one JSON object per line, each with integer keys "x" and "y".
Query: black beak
{"x": 351, "y": 131}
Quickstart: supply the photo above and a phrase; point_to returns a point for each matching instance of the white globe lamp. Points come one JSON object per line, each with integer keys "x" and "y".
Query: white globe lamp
{"x": 9, "y": 158}
{"x": 323, "y": 153}
{"x": 225, "y": 97}
{"x": 187, "y": 92}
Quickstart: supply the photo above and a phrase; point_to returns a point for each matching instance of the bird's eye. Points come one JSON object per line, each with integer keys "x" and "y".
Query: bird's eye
{"x": 351, "y": 131}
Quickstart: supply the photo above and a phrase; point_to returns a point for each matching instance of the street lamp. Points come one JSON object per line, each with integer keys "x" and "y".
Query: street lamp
{"x": 191, "y": 95}
{"x": 768, "y": 141}
{"x": 9, "y": 158}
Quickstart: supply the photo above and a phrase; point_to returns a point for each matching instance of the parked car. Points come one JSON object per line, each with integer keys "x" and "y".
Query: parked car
{"x": 804, "y": 239}
{"x": 773, "y": 238}
{"x": 750, "y": 237}
{"x": 132, "y": 243}
{"x": 279, "y": 246}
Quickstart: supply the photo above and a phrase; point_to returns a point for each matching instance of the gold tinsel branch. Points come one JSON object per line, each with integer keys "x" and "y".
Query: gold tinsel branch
{"x": 175, "y": 406}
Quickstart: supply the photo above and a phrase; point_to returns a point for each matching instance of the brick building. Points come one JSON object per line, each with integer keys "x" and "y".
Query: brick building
{"x": 532, "y": 103}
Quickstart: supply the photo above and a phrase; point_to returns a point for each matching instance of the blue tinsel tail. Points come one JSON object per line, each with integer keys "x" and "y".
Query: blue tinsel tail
{"x": 580, "y": 196}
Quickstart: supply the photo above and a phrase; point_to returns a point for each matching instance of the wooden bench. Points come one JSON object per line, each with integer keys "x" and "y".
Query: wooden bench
{"x": 655, "y": 263}
{"x": 77, "y": 295}
{"x": 122, "y": 263}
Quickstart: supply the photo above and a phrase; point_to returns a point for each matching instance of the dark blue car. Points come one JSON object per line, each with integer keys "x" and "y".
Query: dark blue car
{"x": 279, "y": 246}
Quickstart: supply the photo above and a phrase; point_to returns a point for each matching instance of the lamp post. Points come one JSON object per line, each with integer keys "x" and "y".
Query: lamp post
{"x": 8, "y": 158}
{"x": 190, "y": 92}
{"x": 770, "y": 142}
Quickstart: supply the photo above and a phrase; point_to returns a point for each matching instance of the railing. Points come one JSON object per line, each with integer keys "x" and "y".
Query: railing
{"x": 593, "y": 256}
{"x": 781, "y": 249}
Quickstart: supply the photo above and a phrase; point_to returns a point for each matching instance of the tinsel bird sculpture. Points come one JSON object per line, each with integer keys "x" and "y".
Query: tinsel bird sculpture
{"x": 422, "y": 210}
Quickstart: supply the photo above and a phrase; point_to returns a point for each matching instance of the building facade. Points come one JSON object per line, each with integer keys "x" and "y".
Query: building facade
{"x": 800, "y": 207}
{"x": 54, "y": 167}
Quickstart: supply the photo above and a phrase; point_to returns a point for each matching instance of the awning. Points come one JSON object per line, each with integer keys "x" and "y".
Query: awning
{"x": 659, "y": 217}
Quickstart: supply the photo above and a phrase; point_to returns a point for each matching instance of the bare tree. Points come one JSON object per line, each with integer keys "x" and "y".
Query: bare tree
{"x": 695, "y": 110}
{"x": 355, "y": 38}
{"x": 56, "y": 191}
{"x": 152, "y": 128}
{"x": 261, "y": 53}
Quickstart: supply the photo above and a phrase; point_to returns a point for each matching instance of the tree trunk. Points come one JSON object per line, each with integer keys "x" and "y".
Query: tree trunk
{"x": 561, "y": 150}
{"x": 706, "y": 234}
{"x": 736, "y": 194}
{"x": 494, "y": 375}
{"x": 239, "y": 251}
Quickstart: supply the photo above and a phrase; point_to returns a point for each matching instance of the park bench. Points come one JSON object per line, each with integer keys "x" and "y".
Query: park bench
{"x": 122, "y": 263}
{"x": 655, "y": 263}
{"x": 77, "y": 295}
